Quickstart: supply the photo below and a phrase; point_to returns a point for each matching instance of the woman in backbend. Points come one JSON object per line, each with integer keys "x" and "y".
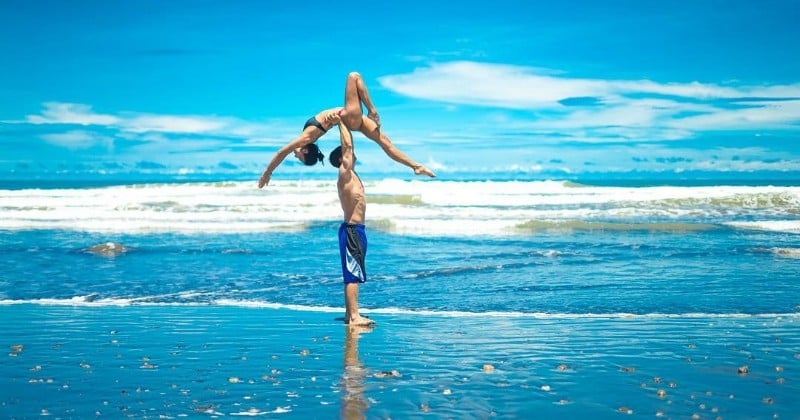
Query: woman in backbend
{"x": 355, "y": 93}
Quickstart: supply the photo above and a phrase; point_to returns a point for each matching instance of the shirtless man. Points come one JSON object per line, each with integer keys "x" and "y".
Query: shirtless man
{"x": 352, "y": 232}
{"x": 355, "y": 93}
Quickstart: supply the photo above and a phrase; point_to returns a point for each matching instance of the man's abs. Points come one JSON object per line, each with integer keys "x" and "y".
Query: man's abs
{"x": 354, "y": 206}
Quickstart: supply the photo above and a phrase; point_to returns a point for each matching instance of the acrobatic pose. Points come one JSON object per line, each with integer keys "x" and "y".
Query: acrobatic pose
{"x": 352, "y": 116}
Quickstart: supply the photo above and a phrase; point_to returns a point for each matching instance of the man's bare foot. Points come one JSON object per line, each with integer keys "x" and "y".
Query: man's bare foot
{"x": 422, "y": 170}
{"x": 333, "y": 117}
{"x": 359, "y": 321}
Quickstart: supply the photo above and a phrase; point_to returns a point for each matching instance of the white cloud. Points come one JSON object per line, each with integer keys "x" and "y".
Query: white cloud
{"x": 173, "y": 124}
{"x": 762, "y": 114}
{"x": 527, "y": 87}
{"x": 69, "y": 113}
{"x": 648, "y": 110}
{"x": 127, "y": 122}
{"x": 77, "y": 139}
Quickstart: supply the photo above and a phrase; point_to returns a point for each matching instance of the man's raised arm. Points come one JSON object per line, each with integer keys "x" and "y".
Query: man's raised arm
{"x": 348, "y": 157}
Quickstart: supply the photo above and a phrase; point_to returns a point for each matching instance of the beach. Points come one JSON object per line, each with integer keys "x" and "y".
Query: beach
{"x": 173, "y": 361}
{"x": 492, "y": 300}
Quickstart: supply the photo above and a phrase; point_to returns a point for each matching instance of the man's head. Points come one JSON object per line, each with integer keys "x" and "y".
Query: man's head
{"x": 335, "y": 157}
{"x": 309, "y": 154}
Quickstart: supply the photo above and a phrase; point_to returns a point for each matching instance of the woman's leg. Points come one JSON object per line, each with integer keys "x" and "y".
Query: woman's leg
{"x": 352, "y": 102}
{"x": 355, "y": 93}
{"x": 371, "y": 130}
{"x": 363, "y": 95}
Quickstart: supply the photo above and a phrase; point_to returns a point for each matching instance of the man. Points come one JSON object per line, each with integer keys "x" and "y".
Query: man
{"x": 355, "y": 93}
{"x": 352, "y": 232}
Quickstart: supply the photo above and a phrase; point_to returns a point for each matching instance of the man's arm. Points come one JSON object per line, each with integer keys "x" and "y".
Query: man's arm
{"x": 348, "y": 157}
{"x": 284, "y": 151}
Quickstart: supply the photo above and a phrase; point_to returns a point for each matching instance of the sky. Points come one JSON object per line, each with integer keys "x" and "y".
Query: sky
{"x": 528, "y": 87}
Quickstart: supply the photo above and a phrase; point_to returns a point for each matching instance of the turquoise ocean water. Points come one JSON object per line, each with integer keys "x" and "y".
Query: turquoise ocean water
{"x": 504, "y": 298}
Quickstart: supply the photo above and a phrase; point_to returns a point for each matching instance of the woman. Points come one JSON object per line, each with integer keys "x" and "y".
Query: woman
{"x": 355, "y": 93}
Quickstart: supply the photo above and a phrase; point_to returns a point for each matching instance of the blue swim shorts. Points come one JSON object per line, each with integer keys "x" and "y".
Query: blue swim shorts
{"x": 353, "y": 250}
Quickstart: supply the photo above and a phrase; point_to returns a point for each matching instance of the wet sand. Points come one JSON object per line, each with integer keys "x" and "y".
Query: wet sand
{"x": 208, "y": 360}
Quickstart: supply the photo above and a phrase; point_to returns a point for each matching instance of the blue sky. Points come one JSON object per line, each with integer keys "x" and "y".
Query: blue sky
{"x": 568, "y": 87}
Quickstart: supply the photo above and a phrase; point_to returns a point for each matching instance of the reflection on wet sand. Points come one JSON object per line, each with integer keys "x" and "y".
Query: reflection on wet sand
{"x": 354, "y": 402}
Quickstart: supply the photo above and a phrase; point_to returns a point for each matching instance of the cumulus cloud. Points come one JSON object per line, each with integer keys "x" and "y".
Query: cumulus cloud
{"x": 644, "y": 110}
{"x": 527, "y": 87}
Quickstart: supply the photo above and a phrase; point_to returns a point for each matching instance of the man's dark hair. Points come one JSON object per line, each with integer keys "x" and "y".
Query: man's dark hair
{"x": 336, "y": 157}
{"x": 314, "y": 155}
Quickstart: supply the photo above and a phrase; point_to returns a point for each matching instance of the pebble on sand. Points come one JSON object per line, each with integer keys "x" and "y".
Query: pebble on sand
{"x": 204, "y": 409}
{"x": 387, "y": 374}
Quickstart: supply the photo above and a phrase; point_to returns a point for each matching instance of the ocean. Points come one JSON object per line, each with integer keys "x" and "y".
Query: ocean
{"x": 498, "y": 298}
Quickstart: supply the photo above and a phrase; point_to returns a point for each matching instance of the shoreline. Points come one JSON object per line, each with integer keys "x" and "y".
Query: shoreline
{"x": 185, "y": 360}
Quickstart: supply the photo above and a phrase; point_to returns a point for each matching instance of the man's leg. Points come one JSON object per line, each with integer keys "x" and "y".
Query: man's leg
{"x": 351, "y": 301}
{"x": 352, "y": 317}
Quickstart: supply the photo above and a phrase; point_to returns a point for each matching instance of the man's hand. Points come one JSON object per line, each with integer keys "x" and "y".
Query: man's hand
{"x": 333, "y": 118}
{"x": 264, "y": 180}
{"x": 422, "y": 170}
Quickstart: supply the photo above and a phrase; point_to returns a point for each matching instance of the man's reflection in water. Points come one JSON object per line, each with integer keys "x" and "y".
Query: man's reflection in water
{"x": 354, "y": 402}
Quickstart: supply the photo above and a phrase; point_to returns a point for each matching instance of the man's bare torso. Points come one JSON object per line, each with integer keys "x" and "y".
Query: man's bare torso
{"x": 351, "y": 195}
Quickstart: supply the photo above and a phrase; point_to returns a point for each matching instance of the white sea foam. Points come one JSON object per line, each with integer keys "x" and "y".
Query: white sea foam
{"x": 86, "y": 301}
{"x": 423, "y": 207}
{"x": 792, "y": 226}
